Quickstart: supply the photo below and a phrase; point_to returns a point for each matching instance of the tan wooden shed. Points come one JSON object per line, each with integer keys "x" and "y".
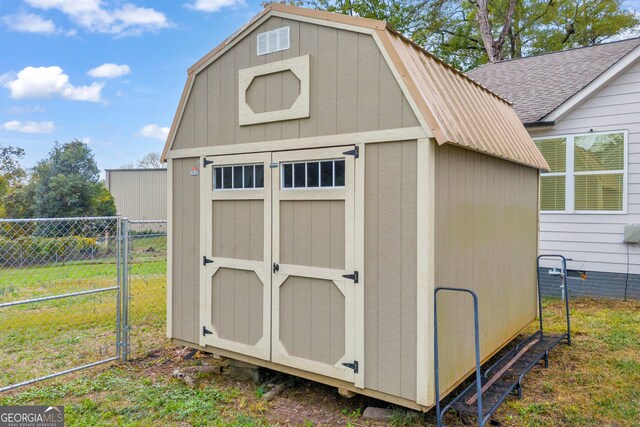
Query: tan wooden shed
{"x": 325, "y": 175}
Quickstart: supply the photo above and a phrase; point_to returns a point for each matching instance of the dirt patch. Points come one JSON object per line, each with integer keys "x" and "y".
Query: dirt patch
{"x": 301, "y": 403}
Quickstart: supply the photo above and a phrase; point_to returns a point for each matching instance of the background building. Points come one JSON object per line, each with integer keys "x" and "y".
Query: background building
{"x": 140, "y": 194}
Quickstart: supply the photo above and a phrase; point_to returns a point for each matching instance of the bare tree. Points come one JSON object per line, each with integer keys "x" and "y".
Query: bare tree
{"x": 149, "y": 161}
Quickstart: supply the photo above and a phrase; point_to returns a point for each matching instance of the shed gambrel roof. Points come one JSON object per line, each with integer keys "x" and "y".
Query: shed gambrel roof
{"x": 538, "y": 85}
{"x": 454, "y": 108}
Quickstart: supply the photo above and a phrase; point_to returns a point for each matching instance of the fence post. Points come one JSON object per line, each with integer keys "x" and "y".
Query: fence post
{"x": 125, "y": 290}
{"x": 118, "y": 256}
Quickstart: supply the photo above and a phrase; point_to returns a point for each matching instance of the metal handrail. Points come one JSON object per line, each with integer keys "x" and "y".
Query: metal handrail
{"x": 565, "y": 284}
{"x": 482, "y": 420}
{"x": 439, "y": 412}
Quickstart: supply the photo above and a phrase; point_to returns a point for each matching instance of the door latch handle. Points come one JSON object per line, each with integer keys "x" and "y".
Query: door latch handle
{"x": 276, "y": 267}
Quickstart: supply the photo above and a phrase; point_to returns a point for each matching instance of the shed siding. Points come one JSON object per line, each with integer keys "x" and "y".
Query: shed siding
{"x": 352, "y": 89}
{"x": 186, "y": 245}
{"x": 485, "y": 225}
{"x": 139, "y": 194}
{"x": 595, "y": 241}
{"x": 391, "y": 268}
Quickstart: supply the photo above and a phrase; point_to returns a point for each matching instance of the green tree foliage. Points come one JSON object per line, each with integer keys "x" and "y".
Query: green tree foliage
{"x": 10, "y": 168}
{"x": 66, "y": 184}
{"x": 12, "y": 176}
{"x": 468, "y": 33}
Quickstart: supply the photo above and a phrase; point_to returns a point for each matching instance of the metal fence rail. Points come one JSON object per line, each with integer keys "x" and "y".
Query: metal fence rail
{"x": 75, "y": 291}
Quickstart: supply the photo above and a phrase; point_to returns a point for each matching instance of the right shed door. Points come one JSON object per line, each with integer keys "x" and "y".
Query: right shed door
{"x": 313, "y": 261}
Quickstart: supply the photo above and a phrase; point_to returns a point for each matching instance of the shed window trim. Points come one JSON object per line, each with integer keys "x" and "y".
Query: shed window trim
{"x": 572, "y": 176}
{"x": 225, "y": 177}
{"x": 299, "y": 66}
{"x": 312, "y": 175}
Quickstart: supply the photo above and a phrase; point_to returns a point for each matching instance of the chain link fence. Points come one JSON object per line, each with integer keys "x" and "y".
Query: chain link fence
{"x": 147, "y": 286}
{"x": 78, "y": 292}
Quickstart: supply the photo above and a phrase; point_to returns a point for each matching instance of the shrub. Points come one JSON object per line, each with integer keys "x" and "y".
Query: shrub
{"x": 38, "y": 250}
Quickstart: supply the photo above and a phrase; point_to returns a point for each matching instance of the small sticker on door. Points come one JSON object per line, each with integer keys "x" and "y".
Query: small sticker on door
{"x": 195, "y": 171}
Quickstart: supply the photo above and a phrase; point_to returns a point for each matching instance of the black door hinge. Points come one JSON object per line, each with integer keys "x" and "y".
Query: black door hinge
{"x": 355, "y": 152}
{"x": 206, "y": 260}
{"x": 353, "y": 276}
{"x": 206, "y": 162}
{"x": 205, "y": 331}
{"x": 353, "y": 366}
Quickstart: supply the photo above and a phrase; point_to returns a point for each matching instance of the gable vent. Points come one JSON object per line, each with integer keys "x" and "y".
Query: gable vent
{"x": 273, "y": 41}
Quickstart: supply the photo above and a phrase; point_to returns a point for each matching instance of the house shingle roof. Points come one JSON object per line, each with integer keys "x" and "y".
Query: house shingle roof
{"x": 537, "y": 85}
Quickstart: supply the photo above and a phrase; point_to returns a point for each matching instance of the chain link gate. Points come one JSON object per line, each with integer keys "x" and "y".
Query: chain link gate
{"x": 73, "y": 291}
{"x": 144, "y": 287}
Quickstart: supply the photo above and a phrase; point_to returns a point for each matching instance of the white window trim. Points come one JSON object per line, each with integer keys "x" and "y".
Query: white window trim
{"x": 305, "y": 188}
{"x": 570, "y": 174}
{"x": 213, "y": 177}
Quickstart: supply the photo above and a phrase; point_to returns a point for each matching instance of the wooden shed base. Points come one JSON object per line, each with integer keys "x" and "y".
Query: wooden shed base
{"x": 307, "y": 375}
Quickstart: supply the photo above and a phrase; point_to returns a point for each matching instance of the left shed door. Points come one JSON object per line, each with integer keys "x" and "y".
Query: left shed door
{"x": 235, "y": 288}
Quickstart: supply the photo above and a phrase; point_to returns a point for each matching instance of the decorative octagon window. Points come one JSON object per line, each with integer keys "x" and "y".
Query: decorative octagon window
{"x": 299, "y": 109}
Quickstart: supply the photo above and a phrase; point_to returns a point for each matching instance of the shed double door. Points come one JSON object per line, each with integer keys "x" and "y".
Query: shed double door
{"x": 278, "y": 241}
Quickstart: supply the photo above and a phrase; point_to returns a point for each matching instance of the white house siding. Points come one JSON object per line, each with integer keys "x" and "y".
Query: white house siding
{"x": 595, "y": 242}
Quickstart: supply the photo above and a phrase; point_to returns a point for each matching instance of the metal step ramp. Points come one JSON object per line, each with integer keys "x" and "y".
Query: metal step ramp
{"x": 504, "y": 378}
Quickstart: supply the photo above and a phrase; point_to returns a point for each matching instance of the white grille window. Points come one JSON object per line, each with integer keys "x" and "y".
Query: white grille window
{"x": 273, "y": 41}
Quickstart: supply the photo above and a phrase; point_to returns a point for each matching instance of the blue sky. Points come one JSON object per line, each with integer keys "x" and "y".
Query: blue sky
{"x": 55, "y": 86}
{"x": 109, "y": 72}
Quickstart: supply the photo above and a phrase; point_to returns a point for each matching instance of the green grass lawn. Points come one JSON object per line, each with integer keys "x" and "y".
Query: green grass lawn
{"x": 32, "y": 282}
{"x": 43, "y": 338}
{"x": 120, "y": 396}
{"x": 595, "y": 382}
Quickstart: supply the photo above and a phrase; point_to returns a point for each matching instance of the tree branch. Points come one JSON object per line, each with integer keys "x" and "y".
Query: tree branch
{"x": 484, "y": 27}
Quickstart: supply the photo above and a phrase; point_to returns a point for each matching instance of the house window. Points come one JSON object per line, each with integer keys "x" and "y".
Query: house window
{"x": 553, "y": 184}
{"x": 238, "y": 177}
{"x": 320, "y": 174}
{"x": 587, "y": 173}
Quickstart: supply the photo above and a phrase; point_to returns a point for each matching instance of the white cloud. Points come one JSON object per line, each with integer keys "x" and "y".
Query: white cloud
{"x": 29, "y": 127}
{"x": 29, "y": 23}
{"x": 109, "y": 71}
{"x": 27, "y": 109}
{"x": 46, "y": 82}
{"x": 131, "y": 15}
{"x": 94, "y": 17}
{"x": 4, "y": 78}
{"x": 214, "y": 5}
{"x": 154, "y": 131}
